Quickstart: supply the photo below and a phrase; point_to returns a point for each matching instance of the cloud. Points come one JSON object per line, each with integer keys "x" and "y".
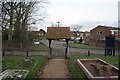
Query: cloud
{"x": 88, "y": 25}
{"x": 85, "y": 12}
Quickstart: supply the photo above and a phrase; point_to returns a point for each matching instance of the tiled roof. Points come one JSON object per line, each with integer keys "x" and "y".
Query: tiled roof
{"x": 58, "y": 33}
{"x": 109, "y": 27}
{"x": 106, "y": 27}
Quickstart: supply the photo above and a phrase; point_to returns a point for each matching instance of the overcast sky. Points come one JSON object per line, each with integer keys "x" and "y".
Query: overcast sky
{"x": 87, "y": 13}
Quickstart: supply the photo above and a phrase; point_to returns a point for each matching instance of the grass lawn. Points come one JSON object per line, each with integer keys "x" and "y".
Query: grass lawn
{"x": 16, "y": 62}
{"x": 39, "y": 47}
{"x": 78, "y": 74}
{"x": 76, "y": 45}
{"x": 33, "y": 47}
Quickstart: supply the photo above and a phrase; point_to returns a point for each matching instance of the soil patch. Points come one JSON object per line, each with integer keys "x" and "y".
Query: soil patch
{"x": 55, "y": 68}
{"x": 99, "y": 69}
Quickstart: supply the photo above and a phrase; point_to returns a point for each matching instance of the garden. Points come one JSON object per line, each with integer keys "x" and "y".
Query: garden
{"x": 34, "y": 64}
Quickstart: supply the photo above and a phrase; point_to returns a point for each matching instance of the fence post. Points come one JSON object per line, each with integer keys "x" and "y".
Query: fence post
{"x": 3, "y": 53}
{"x": 27, "y": 54}
{"x": 88, "y": 53}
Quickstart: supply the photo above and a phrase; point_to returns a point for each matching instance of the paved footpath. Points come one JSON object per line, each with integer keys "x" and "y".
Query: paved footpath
{"x": 55, "y": 68}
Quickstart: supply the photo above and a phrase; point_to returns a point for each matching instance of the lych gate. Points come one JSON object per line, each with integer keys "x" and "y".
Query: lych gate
{"x": 54, "y": 33}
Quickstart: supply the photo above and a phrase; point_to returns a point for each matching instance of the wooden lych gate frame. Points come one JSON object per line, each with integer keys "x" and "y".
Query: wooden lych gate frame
{"x": 54, "y": 33}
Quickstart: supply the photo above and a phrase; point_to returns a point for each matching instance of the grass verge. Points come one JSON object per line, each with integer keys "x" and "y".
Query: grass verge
{"x": 39, "y": 47}
{"x": 76, "y": 45}
{"x": 33, "y": 47}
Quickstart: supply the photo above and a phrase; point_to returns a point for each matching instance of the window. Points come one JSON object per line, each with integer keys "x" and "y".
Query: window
{"x": 115, "y": 32}
{"x": 99, "y": 32}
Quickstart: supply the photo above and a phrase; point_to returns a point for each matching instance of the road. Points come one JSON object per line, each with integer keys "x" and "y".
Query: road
{"x": 60, "y": 48}
{"x": 59, "y": 45}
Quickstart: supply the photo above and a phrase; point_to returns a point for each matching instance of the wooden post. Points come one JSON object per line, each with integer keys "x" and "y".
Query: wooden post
{"x": 105, "y": 47}
{"x": 119, "y": 66}
{"x": 50, "y": 49}
{"x": 3, "y": 53}
{"x": 27, "y": 54}
{"x": 105, "y": 52}
{"x": 113, "y": 50}
{"x": 88, "y": 53}
{"x": 67, "y": 52}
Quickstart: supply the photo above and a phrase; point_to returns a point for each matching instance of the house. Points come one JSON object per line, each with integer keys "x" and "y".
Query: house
{"x": 37, "y": 35}
{"x": 115, "y": 31}
{"x": 42, "y": 33}
{"x": 98, "y": 34}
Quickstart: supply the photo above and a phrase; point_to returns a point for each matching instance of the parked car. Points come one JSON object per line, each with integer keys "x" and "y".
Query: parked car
{"x": 36, "y": 42}
{"x": 72, "y": 39}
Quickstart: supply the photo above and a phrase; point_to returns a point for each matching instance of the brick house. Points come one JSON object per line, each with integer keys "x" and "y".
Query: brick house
{"x": 38, "y": 35}
{"x": 42, "y": 33}
{"x": 97, "y": 35}
{"x": 100, "y": 32}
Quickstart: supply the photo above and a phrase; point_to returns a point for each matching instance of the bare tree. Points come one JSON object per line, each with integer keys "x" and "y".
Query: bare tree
{"x": 18, "y": 16}
{"x": 76, "y": 28}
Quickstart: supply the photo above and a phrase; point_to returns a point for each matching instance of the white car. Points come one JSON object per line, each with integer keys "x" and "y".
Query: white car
{"x": 77, "y": 39}
{"x": 36, "y": 42}
{"x": 72, "y": 38}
